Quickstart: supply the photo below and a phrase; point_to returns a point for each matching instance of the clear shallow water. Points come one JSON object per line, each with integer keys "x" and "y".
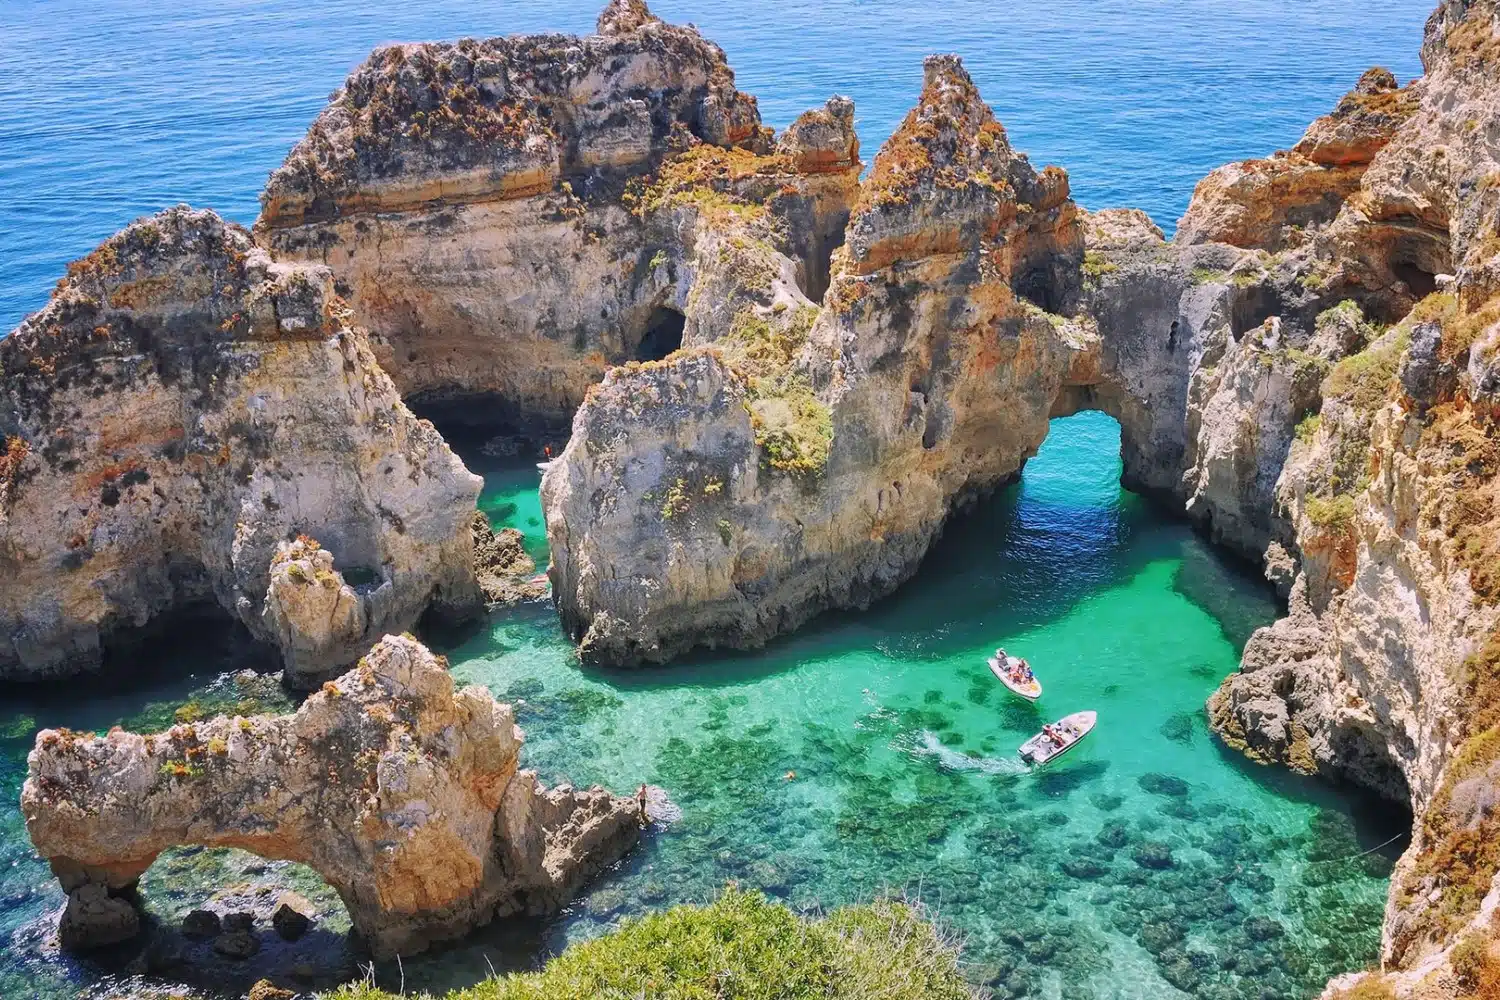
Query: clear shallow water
{"x": 118, "y": 108}
{"x": 901, "y": 743}
{"x": 875, "y": 752}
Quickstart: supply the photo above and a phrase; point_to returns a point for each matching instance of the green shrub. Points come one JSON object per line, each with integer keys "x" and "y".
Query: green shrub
{"x": 1367, "y": 380}
{"x": 1307, "y": 427}
{"x": 741, "y": 947}
{"x": 1336, "y": 514}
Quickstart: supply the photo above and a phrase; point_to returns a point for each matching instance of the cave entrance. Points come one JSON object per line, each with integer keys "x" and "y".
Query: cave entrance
{"x": 663, "y": 334}
{"x": 1422, "y": 283}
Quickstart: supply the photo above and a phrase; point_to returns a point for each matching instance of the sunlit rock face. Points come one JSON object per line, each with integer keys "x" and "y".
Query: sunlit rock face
{"x": 183, "y": 406}
{"x": 400, "y": 791}
{"x": 483, "y": 205}
{"x": 795, "y": 457}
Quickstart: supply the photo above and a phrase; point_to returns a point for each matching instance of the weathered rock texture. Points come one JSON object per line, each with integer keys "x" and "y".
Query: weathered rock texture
{"x": 401, "y": 792}
{"x": 1309, "y": 370}
{"x": 183, "y": 406}
{"x": 1386, "y": 510}
{"x": 800, "y": 459}
{"x": 481, "y": 205}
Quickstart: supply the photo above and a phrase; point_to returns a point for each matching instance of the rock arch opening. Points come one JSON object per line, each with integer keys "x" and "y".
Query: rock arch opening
{"x": 663, "y": 334}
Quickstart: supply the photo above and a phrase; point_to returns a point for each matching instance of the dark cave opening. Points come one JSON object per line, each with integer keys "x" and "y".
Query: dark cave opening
{"x": 1252, "y": 307}
{"x": 1422, "y": 283}
{"x": 663, "y": 334}
{"x": 1036, "y": 285}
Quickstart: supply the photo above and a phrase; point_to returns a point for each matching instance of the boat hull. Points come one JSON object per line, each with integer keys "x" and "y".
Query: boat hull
{"x": 1030, "y": 692}
{"x": 1040, "y": 750}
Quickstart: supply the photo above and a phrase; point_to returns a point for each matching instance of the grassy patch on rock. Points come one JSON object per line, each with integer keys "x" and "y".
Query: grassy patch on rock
{"x": 745, "y": 947}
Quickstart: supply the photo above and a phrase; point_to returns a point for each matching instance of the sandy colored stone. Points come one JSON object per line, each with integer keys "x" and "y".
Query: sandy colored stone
{"x": 181, "y": 407}
{"x": 437, "y": 830}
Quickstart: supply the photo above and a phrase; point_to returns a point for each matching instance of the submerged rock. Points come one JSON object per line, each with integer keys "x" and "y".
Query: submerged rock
{"x": 181, "y": 407}
{"x": 402, "y": 793}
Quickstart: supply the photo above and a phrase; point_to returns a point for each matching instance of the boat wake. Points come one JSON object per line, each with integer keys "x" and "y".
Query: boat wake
{"x": 927, "y": 744}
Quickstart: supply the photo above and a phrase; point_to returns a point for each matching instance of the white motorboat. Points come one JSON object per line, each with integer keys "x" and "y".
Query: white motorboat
{"x": 1060, "y": 737}
{"x": 1008, "y": 671}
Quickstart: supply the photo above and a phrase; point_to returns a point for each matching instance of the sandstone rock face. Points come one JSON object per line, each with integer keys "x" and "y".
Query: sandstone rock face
{"x": 437, "y": 830}
{"x": 181, "y": 408}
{"x": 482, "y": 204}
{"x": 1383, "y": 670}
{"x": 1272, "y": 203}
{"x": 800, "y": 459}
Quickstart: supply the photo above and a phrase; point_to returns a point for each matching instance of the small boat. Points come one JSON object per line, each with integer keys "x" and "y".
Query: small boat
{"x": 1001, "y": 666}
{"x": 1042, "y": 748}
{"x": 544, "y": 466}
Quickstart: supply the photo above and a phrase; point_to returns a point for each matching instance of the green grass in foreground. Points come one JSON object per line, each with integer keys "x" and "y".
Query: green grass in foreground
{"x": 742, "y": 947}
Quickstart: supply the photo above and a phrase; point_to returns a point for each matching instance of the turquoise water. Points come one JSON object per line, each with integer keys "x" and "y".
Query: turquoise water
{"x": 1149, "y": 862}
{"x": 874, "y": 752}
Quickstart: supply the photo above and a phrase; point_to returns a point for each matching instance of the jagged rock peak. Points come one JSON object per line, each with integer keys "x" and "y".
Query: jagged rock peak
{"x": 620, "y": 17}
{"x": 501, "y": 118}
{"x": 822, "y": 140}
{"x": 948, "y": 171}
{"x": 400, "y": 791}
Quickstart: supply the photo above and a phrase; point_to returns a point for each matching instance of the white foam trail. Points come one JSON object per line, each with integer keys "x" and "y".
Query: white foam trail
{"x": 930, "y": 746}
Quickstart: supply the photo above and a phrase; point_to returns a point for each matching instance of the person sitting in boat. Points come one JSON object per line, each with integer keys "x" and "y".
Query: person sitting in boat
{"x": 1052, "y": 734}
{"x": 1025, "y": 669}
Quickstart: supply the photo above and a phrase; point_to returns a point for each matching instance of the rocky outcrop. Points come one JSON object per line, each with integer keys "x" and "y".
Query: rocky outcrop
{"x": 800, "y": 459}
{"x": 484, "y": 205}
{"x": 181, "y": 408}
{"x": 1275, "y": 202}
{"x": 1384, "y": 669}
{"x": 506, "y": 573}
{"x": 401, "y": 792}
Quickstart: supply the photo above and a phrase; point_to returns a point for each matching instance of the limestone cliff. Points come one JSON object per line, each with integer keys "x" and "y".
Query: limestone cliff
{"x": 1384, "y": 669}
{"x": 183, "y": 406}
{"x": 795, "y": 459}
{"x": 437, "y": 832}
{"x": 481, "y": 204}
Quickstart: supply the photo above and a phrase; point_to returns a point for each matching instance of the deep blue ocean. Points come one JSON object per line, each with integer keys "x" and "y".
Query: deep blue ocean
{"x": 117, "y": 108}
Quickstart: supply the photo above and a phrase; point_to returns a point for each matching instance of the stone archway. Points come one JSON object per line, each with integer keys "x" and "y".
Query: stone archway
{"x": 402, "y": 793}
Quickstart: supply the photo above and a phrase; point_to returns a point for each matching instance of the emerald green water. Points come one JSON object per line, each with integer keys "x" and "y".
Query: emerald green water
{"x": 874, "y": 752}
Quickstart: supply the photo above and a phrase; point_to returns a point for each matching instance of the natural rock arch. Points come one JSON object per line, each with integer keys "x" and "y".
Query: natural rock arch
{"x": 400, "y": 791}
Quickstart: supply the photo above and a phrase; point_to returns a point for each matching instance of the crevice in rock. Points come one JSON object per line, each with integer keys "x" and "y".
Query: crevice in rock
{"x": 663, "y": 334}
{"x": 1252, "y": 306}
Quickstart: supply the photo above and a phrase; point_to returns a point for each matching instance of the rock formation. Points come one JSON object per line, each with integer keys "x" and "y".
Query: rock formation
{"x": 789, "y": 459}
{"x": 401, "y": 792}
{"x": 183, "y": 406}
{"x": 1308, "y": 370}
{"x": 506, "y": 573}
{"x": 481, "y": 204}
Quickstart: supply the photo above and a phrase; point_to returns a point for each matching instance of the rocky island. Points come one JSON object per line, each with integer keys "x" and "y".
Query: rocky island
{"x": 782, "y": 380}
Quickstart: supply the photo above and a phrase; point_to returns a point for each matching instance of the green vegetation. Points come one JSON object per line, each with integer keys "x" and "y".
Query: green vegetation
{"x": 1367, "y": 380}
{"x": 741, "y": 947}
{"x": 792, "y": 426}
{"x": 1307, "y": 427}
{"x": 1335, "y": 514}
{"x": 1203, "y": 275}
{"x": 1096, "y": 265}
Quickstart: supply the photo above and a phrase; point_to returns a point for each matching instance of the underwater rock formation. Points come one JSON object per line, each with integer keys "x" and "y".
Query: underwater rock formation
{"x": 400, "y": 791}
{"x": 182, "y": 407}
{"x": 483, "y": 207}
